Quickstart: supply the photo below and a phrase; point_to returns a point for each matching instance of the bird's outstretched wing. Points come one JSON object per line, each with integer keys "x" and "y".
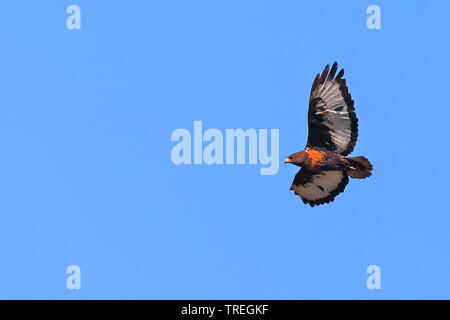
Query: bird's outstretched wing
{"x": 332, "y": 122}
{"x": 319, "y": 187}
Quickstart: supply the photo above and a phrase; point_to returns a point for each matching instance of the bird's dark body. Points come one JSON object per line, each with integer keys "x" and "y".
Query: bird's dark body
{"x": 328, "y": 160}
{"x": 319, "y": 159}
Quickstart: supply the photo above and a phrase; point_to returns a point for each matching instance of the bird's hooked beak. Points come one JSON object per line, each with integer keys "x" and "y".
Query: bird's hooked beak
{"x": 288, "y": 160}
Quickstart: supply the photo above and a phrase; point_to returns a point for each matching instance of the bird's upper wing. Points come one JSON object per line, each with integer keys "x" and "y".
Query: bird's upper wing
{"x": 319, "y": 187}
{"x": 332, "y": 122}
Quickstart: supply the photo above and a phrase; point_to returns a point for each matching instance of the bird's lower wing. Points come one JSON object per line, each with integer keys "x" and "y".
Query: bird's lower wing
{"x": 319, "y": 187}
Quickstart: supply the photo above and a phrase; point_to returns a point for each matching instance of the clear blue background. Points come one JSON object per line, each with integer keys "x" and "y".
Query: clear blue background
{"x": 86, "y": 176}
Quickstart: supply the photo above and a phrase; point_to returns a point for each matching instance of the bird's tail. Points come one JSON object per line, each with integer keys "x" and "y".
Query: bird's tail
{"x": 358, "y": 167}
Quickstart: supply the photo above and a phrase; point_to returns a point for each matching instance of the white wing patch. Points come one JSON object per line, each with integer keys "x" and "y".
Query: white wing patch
{"x": 320, "y": 187}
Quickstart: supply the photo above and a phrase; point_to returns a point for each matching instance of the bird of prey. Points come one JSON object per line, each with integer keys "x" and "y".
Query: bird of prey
{"x": 332, "y": 134}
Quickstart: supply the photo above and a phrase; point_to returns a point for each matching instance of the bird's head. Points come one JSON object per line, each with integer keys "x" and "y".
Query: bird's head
{"x": 297, "y": 158}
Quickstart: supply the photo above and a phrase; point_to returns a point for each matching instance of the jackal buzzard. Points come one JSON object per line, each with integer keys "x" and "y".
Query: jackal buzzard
{"x": 332, "y": 134}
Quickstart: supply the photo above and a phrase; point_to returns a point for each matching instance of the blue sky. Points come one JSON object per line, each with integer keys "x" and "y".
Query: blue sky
{"x": 87, "y": 178}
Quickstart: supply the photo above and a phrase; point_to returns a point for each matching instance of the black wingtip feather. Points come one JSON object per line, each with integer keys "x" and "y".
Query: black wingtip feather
{"x": 340, "y": 74}
{"x": 333, "y": 71}
{"x": 324, "y": 74}
{"x": 315, "y": 82}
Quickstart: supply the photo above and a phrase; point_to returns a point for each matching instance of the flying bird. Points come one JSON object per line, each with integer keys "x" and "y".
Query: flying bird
{"x": 332, "y": 134}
